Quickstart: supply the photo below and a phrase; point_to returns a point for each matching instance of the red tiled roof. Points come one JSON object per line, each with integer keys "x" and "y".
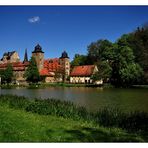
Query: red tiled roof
{"x": 85, "y": 70}
{"x": 16, "y": 66}
{"x": 50, "y": 65}
{"x": 45, "y": 72}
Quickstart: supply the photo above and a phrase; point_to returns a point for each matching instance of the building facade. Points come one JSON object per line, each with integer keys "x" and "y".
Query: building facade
{"x": 18, "y": 66}
{"x": 52, "y": 70}
{"x": 83, "y": 74}
{"x": 10, "y": 57}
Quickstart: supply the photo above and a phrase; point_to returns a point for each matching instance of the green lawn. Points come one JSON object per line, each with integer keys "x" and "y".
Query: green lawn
{"x": 21, "y": 126}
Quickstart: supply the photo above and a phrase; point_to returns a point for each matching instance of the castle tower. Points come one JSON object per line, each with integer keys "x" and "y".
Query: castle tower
{"x": 38, "y": 54}
{"x": 25, "y": 56}
{"x": 65, "y": 63}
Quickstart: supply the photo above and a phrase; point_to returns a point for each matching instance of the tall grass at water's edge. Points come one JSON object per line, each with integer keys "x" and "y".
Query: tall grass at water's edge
{"x": 107, "y": 117}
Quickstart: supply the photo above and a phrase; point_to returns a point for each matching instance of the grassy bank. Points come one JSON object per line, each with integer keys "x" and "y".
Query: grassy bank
{"x": 20, "y": 126}
{"x": 47, "y": 120}
{"x": 44, "y": 85}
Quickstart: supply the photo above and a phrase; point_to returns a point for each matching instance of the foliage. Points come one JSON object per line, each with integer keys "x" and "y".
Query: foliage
{"x": 104, "y": 71}
{"x": 115, "y": 62}
{"x": 125, "y": 71}
{"x": 138, "y": 42}
{"x": 79, "y": 60}
{"x": 132, "y": 74}
{"x": 32, "y": 73}
{"x": 95, "y": 77}
{"x": 107, "y": 117}
{"x": 7, "y": 74}
{"x": 2, "y": 75}
{"x": 101, "y": 53}
{"x": 98, "y": 50}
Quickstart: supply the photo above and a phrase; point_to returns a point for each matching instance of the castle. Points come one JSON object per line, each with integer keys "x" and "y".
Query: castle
{"x": 50, "y": 70}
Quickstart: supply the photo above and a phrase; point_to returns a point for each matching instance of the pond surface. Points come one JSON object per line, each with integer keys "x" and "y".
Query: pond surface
{"x": 91, "y": 98}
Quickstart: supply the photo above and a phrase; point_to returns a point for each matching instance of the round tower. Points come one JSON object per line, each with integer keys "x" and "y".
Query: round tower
{"x": 38, "y": 54}
{"x": 65, "y": 63}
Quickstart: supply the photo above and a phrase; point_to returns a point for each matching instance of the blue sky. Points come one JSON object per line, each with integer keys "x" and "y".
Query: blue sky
{"x": 70, "y": 28}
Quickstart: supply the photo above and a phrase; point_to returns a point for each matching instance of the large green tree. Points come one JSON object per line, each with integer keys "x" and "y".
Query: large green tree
{"x": 138, "y": 42}
{"x": 125, "y": 72}
{"x": 32, "y": 73}
{"x": 98, "y": 51}
{"x": 101, "y": 54}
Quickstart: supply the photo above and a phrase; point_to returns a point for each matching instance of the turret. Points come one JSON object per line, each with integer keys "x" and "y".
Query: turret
{"x": 38, "y": 54}
{"x": 65, "y": 63}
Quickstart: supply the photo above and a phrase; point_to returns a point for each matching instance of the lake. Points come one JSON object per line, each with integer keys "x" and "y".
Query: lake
{"x": 91, "y": 98}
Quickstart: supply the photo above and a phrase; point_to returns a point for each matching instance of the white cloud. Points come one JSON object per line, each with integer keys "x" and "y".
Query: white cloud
{"x": 34, "y": 19}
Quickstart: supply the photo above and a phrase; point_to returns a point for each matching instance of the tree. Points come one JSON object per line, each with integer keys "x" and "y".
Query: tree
{"x": 7, "y": 74}
{"x": 124, "y": 40}
{"x": 138, "y": 42}
{"x": 95, "y": 77}
{"x": 140, "y": 46}
{"x": 125, "y": 71}
{"x": 79, "y": 60}
{"x": 2, "y": 75}
{"x": 97, "y": 51}
{"x": 101, "y": 54}
{"x": 131, "y": 74}
{"x": 104, "y": 72}
{"x": 32, "y": 73}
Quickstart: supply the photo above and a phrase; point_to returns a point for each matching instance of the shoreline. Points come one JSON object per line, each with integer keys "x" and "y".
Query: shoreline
{"x": 44, "y": 85}
{"x": 132, "y": 123}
